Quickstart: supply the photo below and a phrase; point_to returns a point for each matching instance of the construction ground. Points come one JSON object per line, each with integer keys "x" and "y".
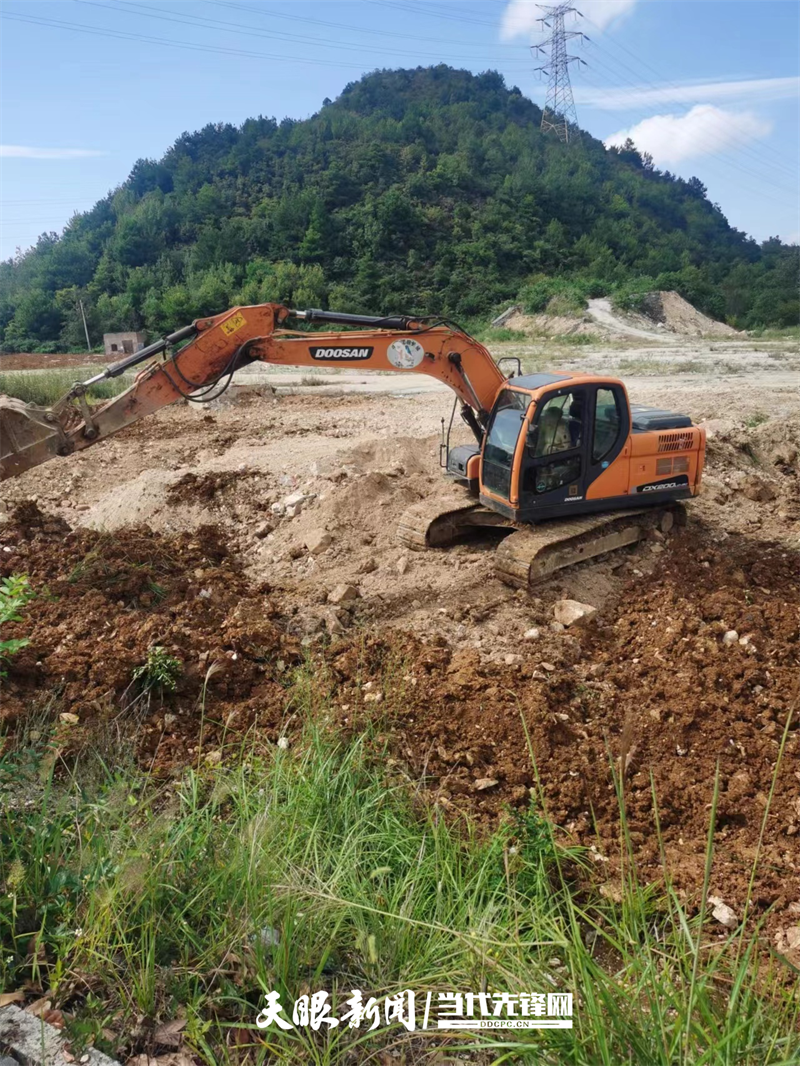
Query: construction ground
{"x": 262, "y": 530}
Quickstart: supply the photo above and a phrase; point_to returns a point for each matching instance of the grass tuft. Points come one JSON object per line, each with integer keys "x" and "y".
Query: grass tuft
{"x": 44, "y": 387}
{"x": 131, "y": 902}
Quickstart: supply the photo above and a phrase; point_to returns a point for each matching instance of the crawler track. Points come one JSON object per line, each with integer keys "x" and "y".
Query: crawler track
{"x": 530, "y": 553}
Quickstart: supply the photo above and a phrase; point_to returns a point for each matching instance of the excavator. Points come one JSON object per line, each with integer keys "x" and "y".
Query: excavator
{"x": 563, "y": 465}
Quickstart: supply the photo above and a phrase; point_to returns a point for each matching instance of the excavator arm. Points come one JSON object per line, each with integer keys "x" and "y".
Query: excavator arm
{"x": 218, "y": 346}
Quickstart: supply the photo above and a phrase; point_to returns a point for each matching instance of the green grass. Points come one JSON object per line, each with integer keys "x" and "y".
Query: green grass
{"x": 46, "y": 386}
{"x": 498, "y": 334}
{"x": 784, "y": 334}
{"x": 132, "y": 902}
{"x": 578, "y": 340}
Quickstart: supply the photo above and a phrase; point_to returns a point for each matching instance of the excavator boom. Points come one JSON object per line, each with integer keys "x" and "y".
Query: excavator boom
{"x": 216, "y": 347}
{"x": 548, "y": 445}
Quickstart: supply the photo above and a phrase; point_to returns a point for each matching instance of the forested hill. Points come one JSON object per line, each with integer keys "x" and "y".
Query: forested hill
{"x": 428, "y": 190}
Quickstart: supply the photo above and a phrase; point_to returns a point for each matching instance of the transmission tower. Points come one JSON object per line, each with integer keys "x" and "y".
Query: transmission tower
{"x": 559, "y": 112}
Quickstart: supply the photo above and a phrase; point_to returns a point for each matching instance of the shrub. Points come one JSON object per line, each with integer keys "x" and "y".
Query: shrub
{"x": 15, "y": 593}
{"x": 160, "y": 670}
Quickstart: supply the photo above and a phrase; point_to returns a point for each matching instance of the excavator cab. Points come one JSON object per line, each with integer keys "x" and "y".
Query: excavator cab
{"x": 564, "y": 443}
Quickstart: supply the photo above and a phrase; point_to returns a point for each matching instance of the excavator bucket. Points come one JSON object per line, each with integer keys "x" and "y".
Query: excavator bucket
{"x": 29, "y": 435}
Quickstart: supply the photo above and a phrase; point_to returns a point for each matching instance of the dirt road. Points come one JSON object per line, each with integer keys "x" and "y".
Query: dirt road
{"x": 430, "y": 646}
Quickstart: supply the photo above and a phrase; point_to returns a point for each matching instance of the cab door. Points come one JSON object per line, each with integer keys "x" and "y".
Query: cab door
{"x": 575, "y": 434}
{"x": 555, "y": 458}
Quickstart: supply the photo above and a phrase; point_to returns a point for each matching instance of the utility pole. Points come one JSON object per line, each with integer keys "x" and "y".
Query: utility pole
{"x": 559, "y": 112}
{"x": 85, "y": 327}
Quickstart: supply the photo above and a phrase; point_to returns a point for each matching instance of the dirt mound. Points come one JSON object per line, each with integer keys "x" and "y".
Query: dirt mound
{"x": 104, "y": 599}
{"x": 654, "y": 688}
{"x": 676, "y": 314}
{"x": 777, "y": 442}
{"x": 548, "y": 325}
{"x": 748, "y": 467}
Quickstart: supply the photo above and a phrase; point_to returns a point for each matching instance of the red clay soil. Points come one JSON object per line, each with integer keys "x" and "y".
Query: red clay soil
{"x": 54, "y": 361}
{"x": 103, "y": 600}
{"x": 656, "y": 688}
{"x": 651, "y": 686}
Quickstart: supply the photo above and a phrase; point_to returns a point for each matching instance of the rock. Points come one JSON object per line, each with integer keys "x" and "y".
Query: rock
{"x": 318, "y": 541}
{"x": 485, "y": 782}
{"x": 722, "y": 912}
{"x": 368, "y": 566}
{"x": 655, "y": 535}
{"x": 557, "y": 627}
{"x": 296, "y": 498}
{"x": 283, "y": 743}
{"x": 731, "y": 637}
{"x": 512, "y": 659}
{"x": 35, "y": 1042}
{"x": 755, "y": 488}
{"x": 373, "y": 697}
{"x": 656, "y": 548}
{"x": 568, "y": 612}
{"x": 550, "y": 667}
{"x": 278, "y": 509}
{"x": 213, "y": 758}
{"x": 667, "y": 521}
{"x": 263, "y": 529}
{"x": 295, "y": 503}
{"x": 295, "y": 551}
{"x": 333, "y": 621}
{"x": 531, "y": 634}
{"x": 343, "y": 594}
{"x": 402, "y": 565}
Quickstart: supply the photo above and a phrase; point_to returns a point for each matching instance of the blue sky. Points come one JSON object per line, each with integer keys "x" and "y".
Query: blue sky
{"x": 709, "y": 87}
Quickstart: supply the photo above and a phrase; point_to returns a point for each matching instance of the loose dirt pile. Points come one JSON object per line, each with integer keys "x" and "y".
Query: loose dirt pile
{"x": 678, "y": 315}
{"x": 656, "y": 693}
{"x": 102, "y": 601}
{"x": 654, "y": 687}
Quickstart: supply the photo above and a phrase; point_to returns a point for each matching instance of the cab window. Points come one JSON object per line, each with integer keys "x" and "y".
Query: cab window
{"x": 501, "y": 439}
{"x": 607, "y": 423}
{"x": 560, "y": 425}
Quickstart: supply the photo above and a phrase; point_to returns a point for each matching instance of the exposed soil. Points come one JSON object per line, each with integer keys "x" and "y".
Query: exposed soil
{"x": 54, "y": 361}
{"x": 676, "y": 314}
{"x": 167, "y": 535}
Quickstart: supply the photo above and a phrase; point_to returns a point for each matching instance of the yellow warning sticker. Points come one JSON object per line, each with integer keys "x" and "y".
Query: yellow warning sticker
{"x": 233, "y": 325}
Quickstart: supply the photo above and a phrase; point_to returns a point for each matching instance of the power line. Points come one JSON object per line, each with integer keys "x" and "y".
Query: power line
{"x": 642, "y": 82}
{"x": 395, "y": 34}
{"x": 242, "y": 29}
{"x": 652, "y": 112}
{"x": 76, "y": 27}
{"x": 559, "y": 114}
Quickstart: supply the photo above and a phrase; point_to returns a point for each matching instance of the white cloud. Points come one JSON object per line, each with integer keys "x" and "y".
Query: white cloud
{"x": 521, "y": 17}
{"x": 621, "y": 99}
{"x": 24, "y": 151}
{"x": 704, "y": 130}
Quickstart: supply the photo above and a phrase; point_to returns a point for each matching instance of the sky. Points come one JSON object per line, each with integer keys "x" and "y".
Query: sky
{"x": 708, "y": 87}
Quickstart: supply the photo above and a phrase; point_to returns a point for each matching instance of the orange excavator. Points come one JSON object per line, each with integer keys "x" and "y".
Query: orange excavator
{"x": 561, "y": 461}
